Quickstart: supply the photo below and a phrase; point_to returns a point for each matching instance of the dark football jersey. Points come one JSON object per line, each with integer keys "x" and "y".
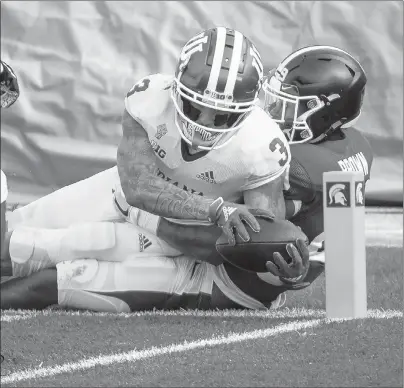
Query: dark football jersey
{"x": 346, "y": 150}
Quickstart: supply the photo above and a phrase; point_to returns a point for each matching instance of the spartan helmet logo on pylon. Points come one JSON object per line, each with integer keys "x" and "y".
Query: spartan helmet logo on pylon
{"x": 359, "y": 194}
{"x": 336, "y": 195}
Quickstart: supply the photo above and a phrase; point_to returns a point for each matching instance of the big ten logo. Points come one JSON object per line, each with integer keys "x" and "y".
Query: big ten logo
{"x": 216, "y": 95}
{"x": 191, "y": 47}
{"x": 338, "y": 194}
{"x": 158, "y": 150}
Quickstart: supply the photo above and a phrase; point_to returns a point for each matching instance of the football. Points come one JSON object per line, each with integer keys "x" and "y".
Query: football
{"x": 252, "y": 255}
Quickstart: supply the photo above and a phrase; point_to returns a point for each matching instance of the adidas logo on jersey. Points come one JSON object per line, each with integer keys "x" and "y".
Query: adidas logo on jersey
{"x": 227, "y": 212}
{"x": 207, "y": 177}
{"x": 144, "y": 242}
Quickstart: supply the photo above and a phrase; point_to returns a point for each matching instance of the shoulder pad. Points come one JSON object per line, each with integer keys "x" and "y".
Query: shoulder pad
{"x": 362, "y": 144}
{"x": 266, "y": 148}
{"x": 149, "y": 96}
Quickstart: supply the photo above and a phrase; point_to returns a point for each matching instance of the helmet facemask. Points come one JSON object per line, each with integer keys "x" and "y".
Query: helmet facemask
{"x": 226, "y": 117}
{"x": 289, "y": 110}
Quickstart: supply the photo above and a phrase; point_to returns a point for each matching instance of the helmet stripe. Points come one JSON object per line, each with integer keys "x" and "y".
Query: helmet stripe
{"x": 235, "y": 61}
{"x": 256, "y": 61}
{"x": 217, "y": 58}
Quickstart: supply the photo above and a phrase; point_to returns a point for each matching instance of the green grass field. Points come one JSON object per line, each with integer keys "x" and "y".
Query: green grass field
{"x": 290, "y": 347}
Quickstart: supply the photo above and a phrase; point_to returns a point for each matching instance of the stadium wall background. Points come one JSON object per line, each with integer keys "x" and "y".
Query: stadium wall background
{"x": 76, "y": 61}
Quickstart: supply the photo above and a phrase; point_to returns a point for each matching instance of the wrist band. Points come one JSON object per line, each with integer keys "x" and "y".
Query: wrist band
{"x": 214, "y": 209}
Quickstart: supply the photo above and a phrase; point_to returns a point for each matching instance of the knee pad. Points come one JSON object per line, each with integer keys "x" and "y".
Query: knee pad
{"x": 80, "y": 285}
{"x": 82, "y": 271}
{"x": 86, "y": 240}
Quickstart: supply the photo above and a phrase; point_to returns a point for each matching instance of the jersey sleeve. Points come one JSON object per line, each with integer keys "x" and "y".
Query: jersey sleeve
{"x": 367, "y": 152}
{"x": 145, "y": 98}
{"x": 270, "y": 159}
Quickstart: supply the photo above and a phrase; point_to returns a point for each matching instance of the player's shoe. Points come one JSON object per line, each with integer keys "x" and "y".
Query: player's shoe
{"x": 279, "y": 301}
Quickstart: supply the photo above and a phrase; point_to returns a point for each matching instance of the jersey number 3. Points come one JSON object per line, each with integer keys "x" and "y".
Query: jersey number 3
{"x": 278, "y": 146}
{"x": 141, "y": 86}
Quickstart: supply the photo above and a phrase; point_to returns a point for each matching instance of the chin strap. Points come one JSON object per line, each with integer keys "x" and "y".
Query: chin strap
{"x": 329, "y": 131}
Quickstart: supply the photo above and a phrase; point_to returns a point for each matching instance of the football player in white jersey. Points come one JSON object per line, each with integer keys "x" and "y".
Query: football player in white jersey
{"x": 219, "y": 145}
{"x": 193, "y": 146}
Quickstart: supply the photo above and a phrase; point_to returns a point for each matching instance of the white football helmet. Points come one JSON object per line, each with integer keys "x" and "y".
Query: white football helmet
{"x": 216, "y": 85}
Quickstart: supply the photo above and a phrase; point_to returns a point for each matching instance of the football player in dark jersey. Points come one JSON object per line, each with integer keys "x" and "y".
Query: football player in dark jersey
{"x": 316, "y": 95}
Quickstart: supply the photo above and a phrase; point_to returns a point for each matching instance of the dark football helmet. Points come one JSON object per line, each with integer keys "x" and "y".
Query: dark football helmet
{"x": 10, "y": 90}
{"x": 219, "y": 72}
{"x": 315, "y": 91}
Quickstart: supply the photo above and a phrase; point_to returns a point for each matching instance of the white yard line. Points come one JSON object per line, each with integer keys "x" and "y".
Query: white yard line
{"x": 135, "y": 355}
{"x": 285, "y": 313}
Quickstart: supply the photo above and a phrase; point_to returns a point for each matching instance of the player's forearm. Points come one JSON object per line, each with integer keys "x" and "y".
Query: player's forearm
{"x": 196, "y": 241}
{"x": 136, "y": 162}
{"x": 268, "y": 197}
{"x": 149, "y": 192}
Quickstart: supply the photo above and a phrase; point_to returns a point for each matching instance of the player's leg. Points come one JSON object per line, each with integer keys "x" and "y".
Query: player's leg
{"x": 5, "y": 264}
{"x": 88, "y": 200}
{"x": 149, "y": 283}
{"x": 37, "y": 291}
{"x": 32, "y": 249}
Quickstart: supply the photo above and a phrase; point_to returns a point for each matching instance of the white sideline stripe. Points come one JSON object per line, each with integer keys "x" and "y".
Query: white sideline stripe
{"x": 286, "y": 313}
{"x": 388, "y": 244}
{"x": 135, "y": 355}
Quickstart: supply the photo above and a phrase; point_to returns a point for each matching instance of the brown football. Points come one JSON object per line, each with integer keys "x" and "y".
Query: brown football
{"x": 252, "y": 255}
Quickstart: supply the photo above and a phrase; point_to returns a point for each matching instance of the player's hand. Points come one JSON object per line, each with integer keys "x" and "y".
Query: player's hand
{"x": 295, "y": 272}
{"x": 232, "y": 217}
{"x": 9, "y": 85}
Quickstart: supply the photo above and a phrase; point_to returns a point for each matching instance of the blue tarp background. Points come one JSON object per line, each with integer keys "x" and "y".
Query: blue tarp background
{"x": 77, "y": 60}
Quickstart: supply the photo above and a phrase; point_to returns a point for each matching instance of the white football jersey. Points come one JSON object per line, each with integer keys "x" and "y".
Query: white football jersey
{"x": 256, "y": 154}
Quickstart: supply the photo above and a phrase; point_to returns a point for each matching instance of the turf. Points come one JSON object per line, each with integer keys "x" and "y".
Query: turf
{"x": 384, "y": 276}
{"x": 357, "y": 353}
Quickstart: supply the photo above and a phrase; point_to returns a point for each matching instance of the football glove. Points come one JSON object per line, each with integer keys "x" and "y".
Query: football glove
{"x": 10, "y": 90}
{"x": 231, "y": 218}
{"x": 295, "y": 272}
